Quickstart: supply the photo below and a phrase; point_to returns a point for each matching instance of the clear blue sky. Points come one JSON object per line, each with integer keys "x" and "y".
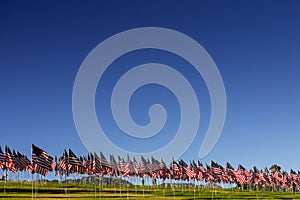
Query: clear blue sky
{"x": 255, "y": 45}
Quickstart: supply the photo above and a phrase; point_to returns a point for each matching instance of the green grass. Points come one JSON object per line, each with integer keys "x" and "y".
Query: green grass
{"x": 23, "y": 190}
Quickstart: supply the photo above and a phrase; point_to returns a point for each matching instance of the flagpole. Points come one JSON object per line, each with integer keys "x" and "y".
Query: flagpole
{"x": 121, "y": 185}
{"x": 95, "y": 192}
{"x": 32, "y": 185}
{"x": 127, "y": 187}
{"x": 32, "y": 176}
{"x": 68, "y": 190}
{"x": 5, "y": 177}
{"x": 35, "y": 185}
{"x": 100, "y": 185}
{"x": 114, "y": 180}
{"x": 135, "y": 185}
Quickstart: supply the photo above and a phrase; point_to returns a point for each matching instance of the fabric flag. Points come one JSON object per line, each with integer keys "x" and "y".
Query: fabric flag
{"x": 267, "y": 177}
{"x": 129, "y": 166}
{"x": 74, "y": 163}
{"x": 3, "y": 159}
{"x": 230, "y": 173}
{"x": 144, "y": 170}
{"x": 277, "y": 176}
{"x": 105, "y": 166}
{"x": 81, "y": 169}
{"x": 294, "y": 176}
{"x": 149, "y": 167}
{"x": 187, "y": 170}
{"x": 97, "y": 164}
{"x": 244, "y": 175}
{"x": 121, "y": 165}
{"x": 163, "y": 170}
{"x": 201, "y": 171}
{"x": 103, "y": 160}
{"x": 87, "y": 164}
{"x": 41, "y": 161}
{"x": 154, "y": 168}
{"x": 209, "y": 174}
{"x": 194, "y": 167}
{"x": 63, "y": 164}
{"x": 124, "y": 167}
{"x": 18, "y": 165}
{"x": 114, "y": 166}
{"x": 155, "y": 164}
{"x": 10, "y": 160}
{"x": 216, "y": 169}
{"x": 91, "y": 169}
{"x": 136, "y": 167}
{"x": 176, "y": 170}
{"x": 25, "y": 162}
{"x": 239, "y": 175}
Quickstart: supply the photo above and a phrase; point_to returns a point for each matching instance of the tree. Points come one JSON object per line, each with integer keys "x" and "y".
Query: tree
{"x": 275, "y": 167}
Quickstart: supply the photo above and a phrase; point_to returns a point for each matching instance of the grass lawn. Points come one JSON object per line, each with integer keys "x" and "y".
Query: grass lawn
{"x": 49, "y": 190}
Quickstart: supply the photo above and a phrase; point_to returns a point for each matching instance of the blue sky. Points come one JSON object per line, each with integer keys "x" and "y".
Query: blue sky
{"x": 255, "y": 45}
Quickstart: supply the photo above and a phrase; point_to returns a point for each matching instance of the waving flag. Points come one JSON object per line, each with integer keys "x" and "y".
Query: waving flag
{"x": 41, "y": 161}
{"x": 10, "y": 160}
{"x": 3, "y": 159}
{"x": 136, "y": 167}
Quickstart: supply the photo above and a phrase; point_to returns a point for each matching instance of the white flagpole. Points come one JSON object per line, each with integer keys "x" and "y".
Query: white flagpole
{"x": 31, "y": 175}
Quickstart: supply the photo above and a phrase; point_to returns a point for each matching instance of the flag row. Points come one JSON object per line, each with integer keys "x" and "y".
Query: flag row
{"x": 97, "y": 164}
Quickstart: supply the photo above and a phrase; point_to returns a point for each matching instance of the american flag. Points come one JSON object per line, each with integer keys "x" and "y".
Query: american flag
{"x": 249, "y": 176}
{"x": 215, "y": 168}
{"x": 103, "y": 160}
{"x": 187, "y": 170}
{"x": 144, "y": 170}
{"x": 136, "y": 167}
{"x": 202, "y": 172}
{"x": 268, "y": 177}
{"x": 97, "y": 164}
{"x": 278, "y": 176}
{"x": 19, "y": 165}
{"x": 176, "y": 170}
{"x": 63, "y": 164}
{"x": 164, "y": 172}
{"x": 124, "y": 167}
{"x": 208, "y": 174}
{"x": 155, "y": 164}
{"x": 294, "y": 177}
{"x": 73, "y": 162}
{"x": 240, "y": 176}
{"x": 162, "y": 164}
{"x": 105, "y": 166}
{"x": 194, "y": 167}
{"x": 10, "y": 160}
{"x": 128, "y": 171}
{"x": 41, "y": 161}
{"x": 230, "y": 172}
{"x": 3, "y": 159}
{"x": 154, "y": 167}
{"x": 121, "y": 165}
{"x": 81, "y": 169}
{"x": 91, "y": 166}
{"x": 25, "y": 162}
{"x": 149, "y": 166}
{"x": 114, "y": 166}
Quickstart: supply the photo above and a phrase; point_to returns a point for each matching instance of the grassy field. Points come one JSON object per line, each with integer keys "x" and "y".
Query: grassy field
{"x": 18, "y": 190}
